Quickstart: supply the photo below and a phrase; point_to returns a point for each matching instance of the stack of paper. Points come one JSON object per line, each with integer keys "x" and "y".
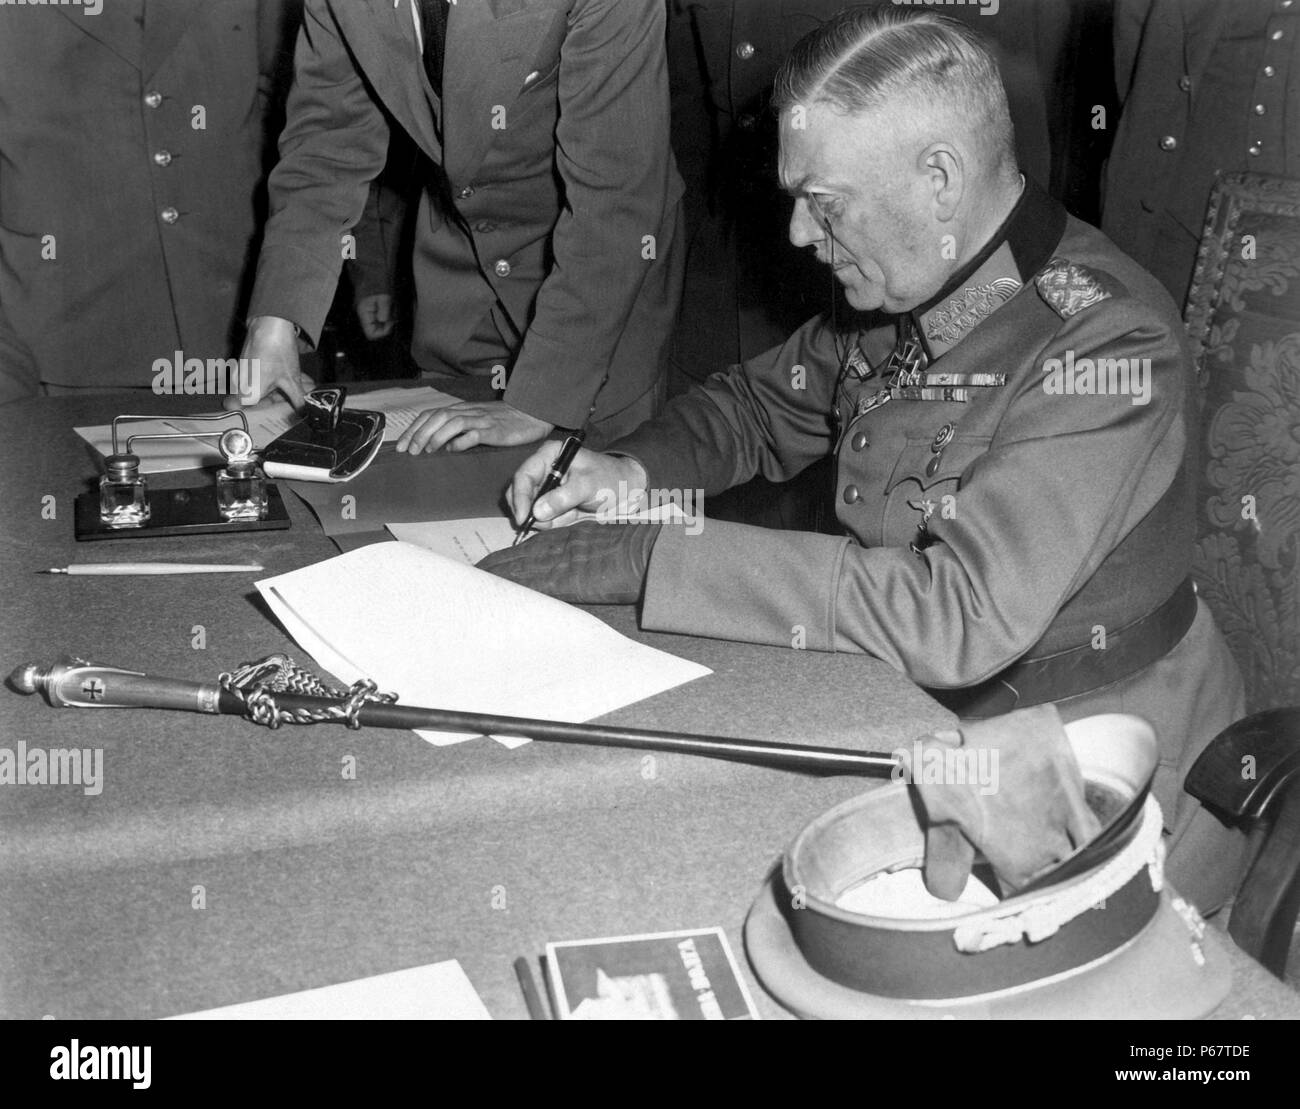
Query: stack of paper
{"x": 442, "y": 634}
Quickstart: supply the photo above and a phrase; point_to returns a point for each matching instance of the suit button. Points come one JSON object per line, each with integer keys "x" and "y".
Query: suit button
{"x": 502, "y": 268}
{"x": 1185, "y": 83}
{"x": 162, "y": 158}
{"x": 169, "y": 215}
{"x": 859, "y": 441}
{"x": 466, "y": 192}
{"x": 747, "y": 122}
{"x": 851, "y": 494}
{"x": 152, "y": 99}
{"x": 745, "y": 51}
{"x": 1168, "y": 143}
{"x": 485, "y": 226}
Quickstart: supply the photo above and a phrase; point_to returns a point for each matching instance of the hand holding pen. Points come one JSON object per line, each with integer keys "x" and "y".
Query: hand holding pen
{"x": 555, "y": 476}
{"x": 601, "y": 483}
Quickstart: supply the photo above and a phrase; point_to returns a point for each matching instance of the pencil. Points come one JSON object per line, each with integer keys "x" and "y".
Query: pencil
{"x": 118, "y": 568}
{"x": 527, "y": 983}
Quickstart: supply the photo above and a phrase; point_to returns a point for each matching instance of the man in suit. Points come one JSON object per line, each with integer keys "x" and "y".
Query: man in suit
{"x": 544, "y": 254}
{"x": 132, "y": 156}
{"x": 1007, "y": 419}
{"x": 1207, "y": 87}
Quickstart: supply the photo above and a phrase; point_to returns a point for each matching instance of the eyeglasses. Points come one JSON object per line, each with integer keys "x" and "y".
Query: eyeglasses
{"x": 819, "y": 214}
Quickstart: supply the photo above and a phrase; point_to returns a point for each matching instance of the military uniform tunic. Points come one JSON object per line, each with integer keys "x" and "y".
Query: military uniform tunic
{"x": 1022, "y": 491}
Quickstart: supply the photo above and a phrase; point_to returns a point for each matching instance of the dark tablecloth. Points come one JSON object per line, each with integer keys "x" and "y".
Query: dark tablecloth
{"x": 308, "y": 878}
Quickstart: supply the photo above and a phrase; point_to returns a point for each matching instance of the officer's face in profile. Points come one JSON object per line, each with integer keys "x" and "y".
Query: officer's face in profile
{"x": 863, "y": 204}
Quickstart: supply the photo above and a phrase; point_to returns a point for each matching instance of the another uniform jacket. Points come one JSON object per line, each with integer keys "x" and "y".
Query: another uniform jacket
{"x": 1048, "y": 504}
{"x": 132, "y": 148}
{"x": 1208, "y": 87}
{"x": 551, "y": 205}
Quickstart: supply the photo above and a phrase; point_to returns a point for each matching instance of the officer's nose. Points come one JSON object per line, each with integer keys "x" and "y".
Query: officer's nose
{"x": 804, "y": 228}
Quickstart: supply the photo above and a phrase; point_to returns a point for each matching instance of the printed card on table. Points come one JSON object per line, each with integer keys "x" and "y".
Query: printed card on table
{"x": 690, "y": 975}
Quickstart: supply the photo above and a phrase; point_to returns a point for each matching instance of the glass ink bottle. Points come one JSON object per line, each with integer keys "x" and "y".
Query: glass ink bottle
{"x": 241, "y": 489}
{"x": 123, "y": 498}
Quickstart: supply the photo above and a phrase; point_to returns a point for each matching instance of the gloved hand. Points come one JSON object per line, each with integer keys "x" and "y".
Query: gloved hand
{"x": 1013, "y": 791}
{"x": 587, "y": 563}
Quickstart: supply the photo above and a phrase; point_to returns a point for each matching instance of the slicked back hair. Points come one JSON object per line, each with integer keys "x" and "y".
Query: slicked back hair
{"x": 866, "y": 58}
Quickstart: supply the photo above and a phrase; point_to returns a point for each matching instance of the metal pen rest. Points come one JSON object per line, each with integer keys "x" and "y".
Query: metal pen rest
{"x": 239, "y": 500}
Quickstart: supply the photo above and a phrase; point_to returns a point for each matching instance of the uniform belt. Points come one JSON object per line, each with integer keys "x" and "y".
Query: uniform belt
{"x": 1068, "y": 673}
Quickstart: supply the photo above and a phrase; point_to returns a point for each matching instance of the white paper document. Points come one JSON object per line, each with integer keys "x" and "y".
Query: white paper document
{"x": 399, "y": 406}
{"x": 467, "y": 541}
{"x": 442, "y": 634}
{"x": 439, "y": 991}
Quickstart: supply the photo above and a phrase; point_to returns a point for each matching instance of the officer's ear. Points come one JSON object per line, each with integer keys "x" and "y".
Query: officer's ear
{"x": 941, "y": 163}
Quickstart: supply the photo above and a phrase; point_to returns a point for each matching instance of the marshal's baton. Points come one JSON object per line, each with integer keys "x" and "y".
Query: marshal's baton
{"x": 76, "y": 683}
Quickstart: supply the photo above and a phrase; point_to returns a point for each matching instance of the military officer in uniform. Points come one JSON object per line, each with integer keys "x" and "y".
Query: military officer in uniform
{"x": 1208, "y": 87}
{"x": 1007, "y": 417}
{"x": 133, "y": 143}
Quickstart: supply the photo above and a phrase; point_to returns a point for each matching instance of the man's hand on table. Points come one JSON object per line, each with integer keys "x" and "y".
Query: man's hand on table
{"x": 274, "y": 343}
{"x": 1026, "y": 813}
{"x": 470, "y": 424}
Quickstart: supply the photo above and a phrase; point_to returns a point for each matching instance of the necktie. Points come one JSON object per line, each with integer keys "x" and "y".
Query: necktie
{"x": 433, "y": 24}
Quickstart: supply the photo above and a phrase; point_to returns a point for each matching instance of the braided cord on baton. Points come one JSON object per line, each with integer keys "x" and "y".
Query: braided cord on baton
{"x": 256, "y": 683}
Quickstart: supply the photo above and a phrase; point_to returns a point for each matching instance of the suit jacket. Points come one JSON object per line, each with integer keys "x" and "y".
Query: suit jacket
{"x": 150, "y": 208}
{"x": 1206, "y": 89}
{"x": 552, "y": 195}
{"x": 978, "y": 531}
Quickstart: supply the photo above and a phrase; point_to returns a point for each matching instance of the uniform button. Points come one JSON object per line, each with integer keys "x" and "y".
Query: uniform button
{"x": 745, "y": 51}
{"x": 1255, "y": 149}
{"x": 1168, "y": 143}
{"x": 851, "y": 494}
{"x": 162, "y": 158}
{"x": 153, "y": 99}
{"x": 1260, "y": 109}
{"x": 1185, "y": 83}
{"x": 169, "y": 215}
{"x": 466, "y": 192}
{"x": 502, "y": 268}
{"x": 484, "y": 226}
{"x": 1269, "y": 71}
{"x": 1275, "y": 35}
{"x": 859, "y": 441}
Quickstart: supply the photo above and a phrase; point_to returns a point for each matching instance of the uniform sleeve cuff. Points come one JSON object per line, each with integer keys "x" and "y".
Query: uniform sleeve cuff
{"x": 716, "y": 579}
